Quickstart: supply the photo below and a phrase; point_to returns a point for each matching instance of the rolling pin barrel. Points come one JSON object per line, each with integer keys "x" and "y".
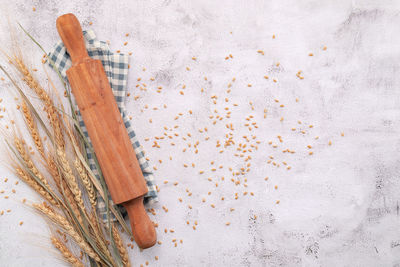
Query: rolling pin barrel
{"x": 110, "y": 139}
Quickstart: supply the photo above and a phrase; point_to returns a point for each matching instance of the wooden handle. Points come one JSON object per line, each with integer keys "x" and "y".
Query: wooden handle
{"x": 142, "y": 227}
{"x": 70, "y": 32}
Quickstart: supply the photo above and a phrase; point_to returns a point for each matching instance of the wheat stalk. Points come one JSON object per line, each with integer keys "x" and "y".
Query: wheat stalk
{"x": 86, "y": 182}
{"x": 121, "y": 247}
{"x": 100, "y": 239}
{"x": 35, "y": 186}
{"x": 63, "y": 223}
{"x": 32, "y": 127}
{"x": 66, "y": 252}
{"x": 53, "y": 170}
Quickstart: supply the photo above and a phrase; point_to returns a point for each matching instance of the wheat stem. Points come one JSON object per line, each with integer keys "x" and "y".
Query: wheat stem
{"x": 100, "y": 240}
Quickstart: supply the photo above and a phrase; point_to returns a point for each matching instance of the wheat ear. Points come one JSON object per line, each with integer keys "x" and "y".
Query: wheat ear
{"x": 63, "y": 188}
{"x": 27, "y": 159}
{"x": 121, "y": 247}
{"x": 50, "y": 109}
{"x": 32, "y": 127}
{"x": 70, "y": 178}
{"x": 35, "y": 186}
{"x": 86, "y": 182}
{"x": 67, "y": 254}
{"x": 63, "y": 223}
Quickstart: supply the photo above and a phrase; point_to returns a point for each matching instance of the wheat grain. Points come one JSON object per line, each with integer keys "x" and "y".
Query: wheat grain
{"x": 67, "y": 254}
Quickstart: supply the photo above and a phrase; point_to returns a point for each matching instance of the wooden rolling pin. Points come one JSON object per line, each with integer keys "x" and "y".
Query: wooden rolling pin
{"x": 107, "y": 131}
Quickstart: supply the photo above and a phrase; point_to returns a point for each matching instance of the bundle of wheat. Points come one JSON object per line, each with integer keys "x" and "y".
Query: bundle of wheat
{"x": 60, "y": 173}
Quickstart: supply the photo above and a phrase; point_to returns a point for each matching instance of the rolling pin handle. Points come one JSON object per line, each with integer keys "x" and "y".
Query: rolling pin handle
{"x": 71, "y": 34}
{"x": 143, "y": 228}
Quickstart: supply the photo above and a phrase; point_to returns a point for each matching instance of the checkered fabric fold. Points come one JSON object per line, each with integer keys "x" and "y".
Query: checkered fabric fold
{"x": 116, "y": 68}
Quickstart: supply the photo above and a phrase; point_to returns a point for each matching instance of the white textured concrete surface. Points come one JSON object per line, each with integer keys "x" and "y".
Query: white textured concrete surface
{"x": 338, "y": 207}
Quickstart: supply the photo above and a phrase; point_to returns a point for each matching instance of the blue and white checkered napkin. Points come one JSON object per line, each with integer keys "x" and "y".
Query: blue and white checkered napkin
{"x": 116, "y": 68}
